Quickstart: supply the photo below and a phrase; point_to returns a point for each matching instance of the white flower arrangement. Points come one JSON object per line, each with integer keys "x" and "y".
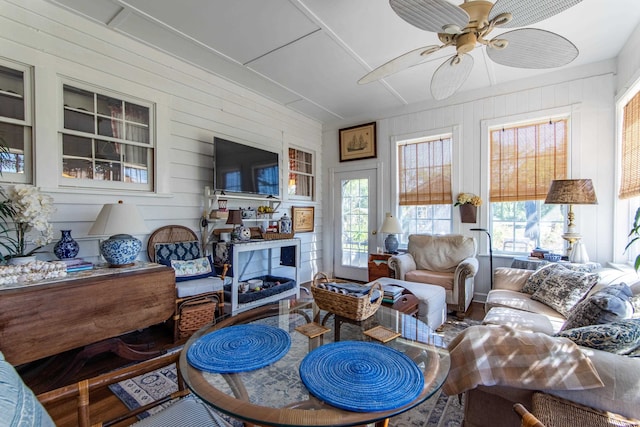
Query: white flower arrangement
{"x": 30, "y": 211}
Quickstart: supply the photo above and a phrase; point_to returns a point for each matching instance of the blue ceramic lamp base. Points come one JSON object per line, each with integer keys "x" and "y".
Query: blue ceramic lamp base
{"x": 391, "y": 244}
{"x": 120, "y": 250}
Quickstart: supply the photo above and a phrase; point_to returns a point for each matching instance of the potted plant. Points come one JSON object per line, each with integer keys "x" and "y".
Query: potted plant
{"x": 634, "y": 235}
{"x": 24, "y": 220}
{"x": 468, "y": 203}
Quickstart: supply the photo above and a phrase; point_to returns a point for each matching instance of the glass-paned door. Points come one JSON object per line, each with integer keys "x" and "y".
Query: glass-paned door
{"x": 355, "y": 216}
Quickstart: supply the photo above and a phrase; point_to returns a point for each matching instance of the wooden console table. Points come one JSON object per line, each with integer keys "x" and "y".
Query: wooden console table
{"x": 46, "y": 318}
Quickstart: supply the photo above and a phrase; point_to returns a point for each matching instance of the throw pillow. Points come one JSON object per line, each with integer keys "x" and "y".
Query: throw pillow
{"x": 605, "y": 306}
{"x": 562, "y": 290}
{"x": 177, "y": 250}
{"x": 540, "y": 275}
{"x": 620, "y": 337}
{"x": 192, "y": 269}
{"x": 18, "y": 405}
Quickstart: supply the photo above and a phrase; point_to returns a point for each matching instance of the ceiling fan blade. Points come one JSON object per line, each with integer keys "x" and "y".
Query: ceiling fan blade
{"x": 450, "y": 76}
{"x": 533, "y": 48}
{"x": 400, "y": 63}
{"x": 527, "y": 12}
{"x": 431, "y": 15}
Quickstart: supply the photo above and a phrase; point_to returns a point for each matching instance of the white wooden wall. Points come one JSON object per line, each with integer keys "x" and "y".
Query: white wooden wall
{"x": 587, "y": 93}
{"x": 192, "y": 107}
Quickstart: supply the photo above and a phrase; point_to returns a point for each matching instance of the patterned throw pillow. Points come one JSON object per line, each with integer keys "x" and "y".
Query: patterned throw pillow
{"x": 537, "y": 277}
{"x": 192, "y": 269}
{"x": 607, "y": 305}
{"x": 620, "y": 337}
{"x": 18, "y": 405}
{"x": 177, "y": 250}
{"x": 562, "y": 290}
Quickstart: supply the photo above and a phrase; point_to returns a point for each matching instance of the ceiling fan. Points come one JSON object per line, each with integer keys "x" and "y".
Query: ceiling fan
{"x": 468, "y": 26}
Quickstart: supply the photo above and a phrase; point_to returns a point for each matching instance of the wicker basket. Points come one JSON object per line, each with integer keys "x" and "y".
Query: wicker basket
{"x": 194, "y": 314}
{"x": 351, "y": 307}
{"x": 276, "y": 236}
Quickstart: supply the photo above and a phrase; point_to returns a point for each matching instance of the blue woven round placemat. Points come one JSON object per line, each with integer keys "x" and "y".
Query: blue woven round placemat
{"x": 361, "y": 376}
{"x": 239, "y": 348}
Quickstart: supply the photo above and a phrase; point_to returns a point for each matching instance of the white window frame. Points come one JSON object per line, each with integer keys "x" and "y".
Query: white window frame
{"x": 100, "y": 184}
{"x": 312, "y": 175}
{"x": 625, "y": 209}
{"x": 27, "y": 124}
{"x": 486, "y": 126}
{"x": 455, "y": 133}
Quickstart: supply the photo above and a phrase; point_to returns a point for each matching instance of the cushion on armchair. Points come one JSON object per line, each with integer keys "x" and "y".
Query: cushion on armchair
{"x": 440, "y": 253}
{"x": 177, "y": 250}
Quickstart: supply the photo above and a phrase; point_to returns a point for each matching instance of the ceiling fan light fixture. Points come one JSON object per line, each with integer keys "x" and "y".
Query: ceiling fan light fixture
{"x": 451, "y": 29}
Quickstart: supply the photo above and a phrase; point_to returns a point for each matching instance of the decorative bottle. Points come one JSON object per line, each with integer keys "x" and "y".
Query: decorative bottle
{"x": 284, "y": 225}
{"x": 66, "y": 247}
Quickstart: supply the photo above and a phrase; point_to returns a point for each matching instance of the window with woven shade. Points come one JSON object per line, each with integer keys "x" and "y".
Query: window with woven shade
{"x": 424, "y": 185}
{"x": 523, "y": 161}
{"x": 630, "y": 177}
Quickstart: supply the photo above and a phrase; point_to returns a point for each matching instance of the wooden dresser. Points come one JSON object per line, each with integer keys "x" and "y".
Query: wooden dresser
{"x": 52, "y": 316}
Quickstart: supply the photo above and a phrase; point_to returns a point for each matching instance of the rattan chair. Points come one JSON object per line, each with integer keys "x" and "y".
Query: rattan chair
{"x": 187, "y": 411}
{"x": 528, "y": 419}
{"x": 195, "y": 306}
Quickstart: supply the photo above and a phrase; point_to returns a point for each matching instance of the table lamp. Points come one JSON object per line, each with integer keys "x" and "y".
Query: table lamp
{"x": 391, "y": 226}
{"x": 239, "y": 232}
{"x": 119, "y": 220}
{"x": 571, "y": 192}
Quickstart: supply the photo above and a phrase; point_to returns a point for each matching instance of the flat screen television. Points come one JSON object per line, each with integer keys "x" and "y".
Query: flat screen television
{"x": 239, "y": 168}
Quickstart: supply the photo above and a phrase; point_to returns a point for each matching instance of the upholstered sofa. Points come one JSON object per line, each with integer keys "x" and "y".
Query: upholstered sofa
{"x": 448, "y": 261}
{"x": 507, "y": 304}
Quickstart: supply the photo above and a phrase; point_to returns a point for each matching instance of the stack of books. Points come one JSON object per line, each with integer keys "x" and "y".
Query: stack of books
{"x": 77, "y": 264}
{"x": 391, "y": 293}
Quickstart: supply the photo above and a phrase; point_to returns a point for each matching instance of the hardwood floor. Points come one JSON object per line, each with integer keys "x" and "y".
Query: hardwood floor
{"x": 104, "y": 404}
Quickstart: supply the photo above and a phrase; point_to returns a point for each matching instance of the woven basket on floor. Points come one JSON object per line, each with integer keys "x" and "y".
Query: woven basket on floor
{"x": 553, "y": 411}
{"x": 194, "y": 314}
{"x": 349, "y": 306}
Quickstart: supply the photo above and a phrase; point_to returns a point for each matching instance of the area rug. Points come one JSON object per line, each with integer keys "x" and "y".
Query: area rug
{"x": 438, "y": 411}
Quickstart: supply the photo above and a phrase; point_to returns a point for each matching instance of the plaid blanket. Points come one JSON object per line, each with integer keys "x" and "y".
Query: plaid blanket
{"x": 501, "y": 355}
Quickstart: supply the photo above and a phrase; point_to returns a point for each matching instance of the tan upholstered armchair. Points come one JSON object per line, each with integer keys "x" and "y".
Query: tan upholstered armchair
{"x": 444, "y": 260}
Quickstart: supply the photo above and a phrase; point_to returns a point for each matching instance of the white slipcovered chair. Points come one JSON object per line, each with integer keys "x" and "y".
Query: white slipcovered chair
{"x": 443, "y": 260}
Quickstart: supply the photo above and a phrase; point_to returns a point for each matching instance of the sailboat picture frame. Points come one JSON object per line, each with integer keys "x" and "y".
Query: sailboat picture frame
{"x": 358, "y": 142}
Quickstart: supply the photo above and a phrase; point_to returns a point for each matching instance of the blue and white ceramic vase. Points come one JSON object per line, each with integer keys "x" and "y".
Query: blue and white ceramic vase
{"x": 66, "y": 247}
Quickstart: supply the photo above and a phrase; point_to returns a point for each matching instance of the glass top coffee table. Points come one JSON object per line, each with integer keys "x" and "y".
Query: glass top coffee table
{"x": 276, "y": 396}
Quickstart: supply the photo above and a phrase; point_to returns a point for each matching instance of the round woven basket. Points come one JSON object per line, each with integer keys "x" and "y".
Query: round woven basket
{"x": 349, "y": 306}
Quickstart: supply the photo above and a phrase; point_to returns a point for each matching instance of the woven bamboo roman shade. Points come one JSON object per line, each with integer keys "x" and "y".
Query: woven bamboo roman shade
{"x": 630, "y": 181}
{"x": 526, "y": 158}
{"x": 424, "y": 173}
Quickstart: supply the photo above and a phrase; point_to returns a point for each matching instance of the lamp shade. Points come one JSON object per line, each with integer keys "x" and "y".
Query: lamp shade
{"x": 118, "y": 218}
{"x": 571, "y": 192}
{"x": 235, "y": 217}
{"x": 120, "y": 221}
{"x": 391, "y": 225}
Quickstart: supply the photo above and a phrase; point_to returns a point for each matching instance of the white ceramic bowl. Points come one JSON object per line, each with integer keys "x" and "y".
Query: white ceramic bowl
{"x": 255, "y": 284}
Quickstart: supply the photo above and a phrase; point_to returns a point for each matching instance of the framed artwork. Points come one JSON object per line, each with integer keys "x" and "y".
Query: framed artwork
{"x": 302, "y": 219}
{"x": 358, "y": 142}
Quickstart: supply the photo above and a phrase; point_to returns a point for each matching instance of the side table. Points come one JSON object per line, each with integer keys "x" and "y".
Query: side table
{"x": 379, "y": 266}
{"x": 407, "y": 304}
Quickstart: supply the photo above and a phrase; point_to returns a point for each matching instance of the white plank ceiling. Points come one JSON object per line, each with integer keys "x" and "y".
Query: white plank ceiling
{"x": 309, "y": 54}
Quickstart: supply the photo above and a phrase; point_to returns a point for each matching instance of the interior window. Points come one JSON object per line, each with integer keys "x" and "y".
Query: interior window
{"x": 107, "y": 141}
{"x": 15, "y": 122}
{"x": 424, "y": 186}
{"x": 524, "y": 159}
{"x": 301, "y": 176}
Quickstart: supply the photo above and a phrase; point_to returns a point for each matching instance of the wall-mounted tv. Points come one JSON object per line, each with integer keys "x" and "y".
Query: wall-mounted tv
{"x": 239, "y": 168}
